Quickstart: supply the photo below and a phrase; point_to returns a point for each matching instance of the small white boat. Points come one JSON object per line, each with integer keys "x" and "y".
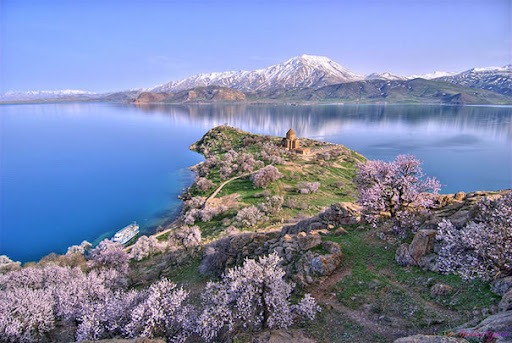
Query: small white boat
{"x": 124, "y": 235}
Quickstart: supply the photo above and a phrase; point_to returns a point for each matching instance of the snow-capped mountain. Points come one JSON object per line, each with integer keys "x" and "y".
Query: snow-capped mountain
{"x": 496, "y": 79}
{"x": 430, "y": 76}
{"x": 45, "y": 94}
{"x": 384, "y": 76}
{"x": 304, "y": 71}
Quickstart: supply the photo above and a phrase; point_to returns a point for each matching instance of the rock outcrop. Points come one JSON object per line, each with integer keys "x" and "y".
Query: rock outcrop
{"x": 415, "y": 254}
{"x": 496, "y": 328}
{"x": 343, "y": 213}
{"x": 305, "y": 257}
{"x": 506, "y": 302}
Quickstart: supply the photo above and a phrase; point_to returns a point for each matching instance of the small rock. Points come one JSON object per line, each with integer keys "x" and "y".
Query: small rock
{"x": 287, "y": 238}
{"x": 374, "y": 284}
{"x": 402, "y": 256}
{"x": 332, "y": 248}
{"x": 440, "y": 289}
{"x": 323, "y": 232}
{"x": 340, "y": 231}
{"x": 460, "y": 196}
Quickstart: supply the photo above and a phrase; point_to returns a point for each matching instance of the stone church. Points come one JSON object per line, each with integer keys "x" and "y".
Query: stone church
{"x": 291, "y": 142}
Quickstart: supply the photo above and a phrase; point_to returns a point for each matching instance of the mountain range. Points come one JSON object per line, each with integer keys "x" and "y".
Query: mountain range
{"x": 311, "y": 78}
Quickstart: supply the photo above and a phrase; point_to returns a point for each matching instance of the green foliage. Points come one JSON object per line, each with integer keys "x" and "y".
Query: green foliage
{"x": 376, "y": 279}
{"x": 335, "y": 176}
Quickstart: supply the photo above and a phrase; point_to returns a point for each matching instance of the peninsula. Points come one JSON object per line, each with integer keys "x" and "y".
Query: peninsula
{"x": 293, "y": 205}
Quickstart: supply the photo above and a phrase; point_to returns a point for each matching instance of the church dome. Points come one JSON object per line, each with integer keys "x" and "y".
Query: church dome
{"x": 290, "y": 134}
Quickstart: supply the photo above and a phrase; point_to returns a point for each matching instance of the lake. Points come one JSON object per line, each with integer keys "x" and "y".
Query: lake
{"x": 73, "y": 172}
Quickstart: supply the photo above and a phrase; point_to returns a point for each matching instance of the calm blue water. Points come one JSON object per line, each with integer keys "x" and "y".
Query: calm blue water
{"x": 71, "y": 172}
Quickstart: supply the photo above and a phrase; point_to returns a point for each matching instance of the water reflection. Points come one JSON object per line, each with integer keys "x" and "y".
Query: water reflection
{"x": 468, "y": 148}
{"x": 325, "y": 120}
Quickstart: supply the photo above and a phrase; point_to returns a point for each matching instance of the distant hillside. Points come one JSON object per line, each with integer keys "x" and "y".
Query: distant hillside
{"x": 369, "y": 91}
{"x": 397, "y": 91}
{"x": 496, "y": 79}
{"x": 307, "y": 78}
{"x": 200, "y": 94}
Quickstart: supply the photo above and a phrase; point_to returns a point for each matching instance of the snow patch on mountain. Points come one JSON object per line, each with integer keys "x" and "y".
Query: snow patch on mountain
{"x": 384, "y": 76}
{"x": 496, "y": 79}
{"x": 299, "y": 72}
{"x": 430, "y": 76}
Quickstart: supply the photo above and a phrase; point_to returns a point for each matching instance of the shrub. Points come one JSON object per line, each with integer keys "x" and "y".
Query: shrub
{"x": 254, "y": 296}
{"x": 308, "y": 187}
{"x": 396, "y": 187}
{"x": 265, "y": 176}
{"x": 248, "y": 216}
{"x": 109, "y": 254}
{"x": 188, "y": 236}
{"x": 162, "y": 313}
{"x": 144, "y": 247}
{"x": 79, "y": 249}
{"x": 272, "y": 205}
{"x": 26, "y": 314}
{"x": 203, "y": 184}
{"x": 481, "y": 248}
{"x": 272, "y": 153}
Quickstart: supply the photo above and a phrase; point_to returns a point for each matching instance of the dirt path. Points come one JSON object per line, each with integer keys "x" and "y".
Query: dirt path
{"x": 214, "y": 194}
{"x": 325, "y": 296}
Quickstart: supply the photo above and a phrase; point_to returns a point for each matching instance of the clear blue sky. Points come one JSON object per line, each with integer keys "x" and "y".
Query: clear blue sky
{"x": 112, "y": 45}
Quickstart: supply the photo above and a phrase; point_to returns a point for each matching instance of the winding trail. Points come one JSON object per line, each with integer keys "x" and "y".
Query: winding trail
{"x": 325, "y": 296}
{"x": 214, "y": 194}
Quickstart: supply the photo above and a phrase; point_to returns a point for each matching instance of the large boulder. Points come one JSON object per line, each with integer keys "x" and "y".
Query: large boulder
{"x": 402, "y": 255}
{"x": 498, "y": 327}
{"x": 422, "y": 245}
{"x": 307, "y": 242}
{"x": 312, "y": 266}
{"x": 416, "y": 253}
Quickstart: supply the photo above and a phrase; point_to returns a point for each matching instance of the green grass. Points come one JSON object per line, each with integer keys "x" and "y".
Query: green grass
{"x": 294, "y": 172}
{"x": 377, "y": 279}
{"x": 187, "y": 275}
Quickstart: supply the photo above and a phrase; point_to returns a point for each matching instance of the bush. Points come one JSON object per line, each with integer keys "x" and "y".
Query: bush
{"x": 254, "y": 297}
{"x": 272, "y": 205}
{"x": 265, "y": 176}
{"x": 79, "y": 249}
{"x": 203, "y": 184}
{"x": 187, "y": 236}
{"x": 109, "y": 254}
{"x": 163, "y": 313}
{"x": 144, "y": 247}
{"x": 397, "y": 187}
{"x": 481, "y": 248}
{"x": 248, "y": 216}
{"x": 308, "y": 187}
